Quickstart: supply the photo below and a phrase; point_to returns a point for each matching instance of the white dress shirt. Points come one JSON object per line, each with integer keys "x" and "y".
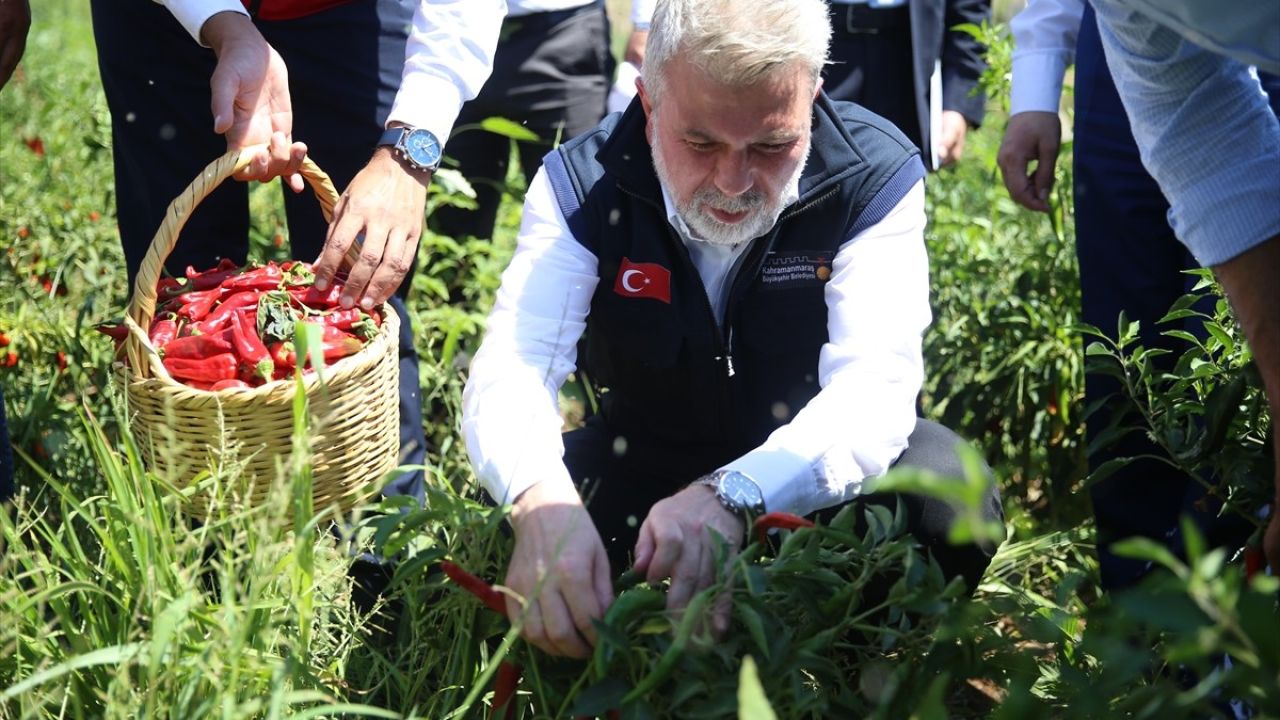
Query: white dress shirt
{"x": 870, "y": 370}
{"x": 447, "y": 59}
{"x": 1044, "y": 45}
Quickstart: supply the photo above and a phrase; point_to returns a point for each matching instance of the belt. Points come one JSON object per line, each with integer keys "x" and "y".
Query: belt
{"x": 545, "y": 20}
{"x": 861, "y": 19}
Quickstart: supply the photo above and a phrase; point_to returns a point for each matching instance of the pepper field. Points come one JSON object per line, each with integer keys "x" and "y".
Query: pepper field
{"x": 112, "y": 604}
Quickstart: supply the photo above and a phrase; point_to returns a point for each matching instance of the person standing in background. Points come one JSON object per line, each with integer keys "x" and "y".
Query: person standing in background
{"x": 552, "y": 74}
{"x": 1130, "y": 258}
{"x": 356, "y": 80}
{"x": 15, "y": 21}
{"x": 905, "y": 61}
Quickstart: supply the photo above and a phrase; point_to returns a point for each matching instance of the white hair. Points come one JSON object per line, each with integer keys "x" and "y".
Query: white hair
{"x": 737, "y": 42}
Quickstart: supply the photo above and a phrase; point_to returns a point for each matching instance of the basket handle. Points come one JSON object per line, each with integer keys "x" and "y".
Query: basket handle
{"x": 142, "y": 303}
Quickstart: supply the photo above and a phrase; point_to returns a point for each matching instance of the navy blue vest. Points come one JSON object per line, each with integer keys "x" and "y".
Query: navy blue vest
{"x": 674, "y": 380}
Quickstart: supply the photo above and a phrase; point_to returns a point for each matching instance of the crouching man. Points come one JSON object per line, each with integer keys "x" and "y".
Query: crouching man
{"x": 744, "y": 262}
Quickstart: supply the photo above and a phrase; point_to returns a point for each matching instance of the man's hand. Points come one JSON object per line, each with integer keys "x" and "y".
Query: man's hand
{"x": 15, "y": 21}
{"x": 676, "y": 542}
{"x": 1030, "y": 136}
{"x": 384, "y": 204}
{"x": 250, "y": 98}
{"x": 560, "y": 567}
{"x": 951, "y": 144}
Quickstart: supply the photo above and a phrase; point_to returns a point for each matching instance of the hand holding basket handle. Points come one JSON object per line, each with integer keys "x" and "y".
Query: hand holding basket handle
{"x": 250, "y": 100}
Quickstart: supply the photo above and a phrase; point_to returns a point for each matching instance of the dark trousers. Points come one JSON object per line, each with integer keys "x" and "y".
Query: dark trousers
{"x": 621, "y": 487}
{"x": 872, "y": 64}
{"x": 551, "y": 75}
{"x": 1130, "y": 262}
{"x": 344, "y": 68}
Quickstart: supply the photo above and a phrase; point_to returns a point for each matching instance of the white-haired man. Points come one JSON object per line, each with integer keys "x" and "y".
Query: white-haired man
{"x": 744, "y": 260}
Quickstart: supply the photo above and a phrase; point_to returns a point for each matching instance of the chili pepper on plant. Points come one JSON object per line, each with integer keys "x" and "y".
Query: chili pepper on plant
{"x": 491, "y": 598}
{"x": 779, "y": 520}
{"x": 504, "y": 690}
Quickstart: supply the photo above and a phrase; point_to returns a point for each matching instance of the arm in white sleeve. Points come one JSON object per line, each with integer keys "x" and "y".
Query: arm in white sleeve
{"x": 1044, "y": 42}
{"x": 510, "y": 414}
{"x": 193, "y": 13}
{"x": 870, "y": 371}
{"x": 642, "y": 13}
{"x": 446, "y": 61}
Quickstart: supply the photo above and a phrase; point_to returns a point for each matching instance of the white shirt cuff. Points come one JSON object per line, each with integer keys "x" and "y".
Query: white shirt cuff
{"x": 427, "y": 101}
{"x": 194, "y": 13}
{"x": 1037, "y": 81}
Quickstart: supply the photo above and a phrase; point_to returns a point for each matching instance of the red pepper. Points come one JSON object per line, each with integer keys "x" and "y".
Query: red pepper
{"x": 267, "y": 277}
{"x": 228, "y": 384}
{"x": 163, "y": 332}
{"x": 783, "y": 520}
{"x": 283, "y": 356}
{"x": 196, "y": 347}
{"x": 115, "y": 331}
{"x": 504, "y": 690}
{"x": 313, "y": 298}
{"x": 1254, "y": 561}
{"x": 197, "y": 304}
{"x": 221, "y": 315}
{"x": 4, "y": 339}
{"x": 214, "y": 277}
{"x": 244, "y": 337}
{"x": 337, "y": 344}
{"x": 492, "y": 599}
{"x": 207, "y": 370}
{"x": 10, "y": 359}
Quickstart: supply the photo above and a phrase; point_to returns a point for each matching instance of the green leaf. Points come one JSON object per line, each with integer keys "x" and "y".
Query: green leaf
{"x": 113, "y": 655}
{"x": 931, "y": 706}
{"x": 508, "y": 129}
{"x": 752, "y": 702}
{"x": 598, "y": 699}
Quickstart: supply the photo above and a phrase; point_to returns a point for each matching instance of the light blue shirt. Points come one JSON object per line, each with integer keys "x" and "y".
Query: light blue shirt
{"x": 1202, "y": 124}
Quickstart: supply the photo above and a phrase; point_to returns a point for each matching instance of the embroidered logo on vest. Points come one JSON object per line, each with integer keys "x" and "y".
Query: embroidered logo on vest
{"x": 795, "y": 269}
{"x": 643, "y": 280}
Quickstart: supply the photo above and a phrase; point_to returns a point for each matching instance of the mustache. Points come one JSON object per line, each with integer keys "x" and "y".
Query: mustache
{"x": 750, "y": 200}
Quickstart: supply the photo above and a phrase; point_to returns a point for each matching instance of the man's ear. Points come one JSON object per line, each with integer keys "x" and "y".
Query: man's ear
{"x": 646, "y": 103}
{"x": 817, "y": 88}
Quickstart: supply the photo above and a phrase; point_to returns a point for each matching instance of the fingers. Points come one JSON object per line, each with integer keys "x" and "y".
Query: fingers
{"x": 667, "y": 544}
{"x": 722, "y": 612}
{"x": 371, "y": 251}
{"x": 602, "y": 580}
{"x": 1042, "y": 180}
{"x": 644, "y": 549}
{"x": 223, "y": 86}
{"x": 693, "y": 573}
{"x": 280, "y": 158}
{"x": 342, "y": 232}
{"x": 1014, "y": 163}
{"x": 398, "y": 256}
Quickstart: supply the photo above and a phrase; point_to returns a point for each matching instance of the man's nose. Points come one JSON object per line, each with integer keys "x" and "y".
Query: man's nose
{"x": 733, "y": 174}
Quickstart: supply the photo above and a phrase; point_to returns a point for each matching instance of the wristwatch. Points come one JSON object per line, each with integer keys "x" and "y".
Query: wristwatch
{"x": 736, "y": 491}
{"x": 420, "y": 148}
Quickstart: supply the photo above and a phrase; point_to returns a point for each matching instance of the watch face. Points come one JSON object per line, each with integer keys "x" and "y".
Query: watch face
{"x": 741, "y": 491}
{"x": 422, "y": 148}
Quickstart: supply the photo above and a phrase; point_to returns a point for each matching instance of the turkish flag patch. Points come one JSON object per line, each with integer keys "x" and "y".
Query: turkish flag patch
{"x": 643, "y": 280}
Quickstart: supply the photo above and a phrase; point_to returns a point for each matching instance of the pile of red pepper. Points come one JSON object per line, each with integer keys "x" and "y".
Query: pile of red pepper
{"x": 233, "y": 327}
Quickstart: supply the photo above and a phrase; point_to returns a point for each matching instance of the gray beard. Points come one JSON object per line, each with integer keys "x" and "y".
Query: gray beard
{"x": 705, "y": 227}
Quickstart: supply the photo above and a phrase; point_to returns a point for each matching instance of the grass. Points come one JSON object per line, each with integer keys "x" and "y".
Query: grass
{"x": 115, "y": 604}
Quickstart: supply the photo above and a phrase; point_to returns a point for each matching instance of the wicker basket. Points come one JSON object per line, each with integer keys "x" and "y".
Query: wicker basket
{"x": 354, "y": 415}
